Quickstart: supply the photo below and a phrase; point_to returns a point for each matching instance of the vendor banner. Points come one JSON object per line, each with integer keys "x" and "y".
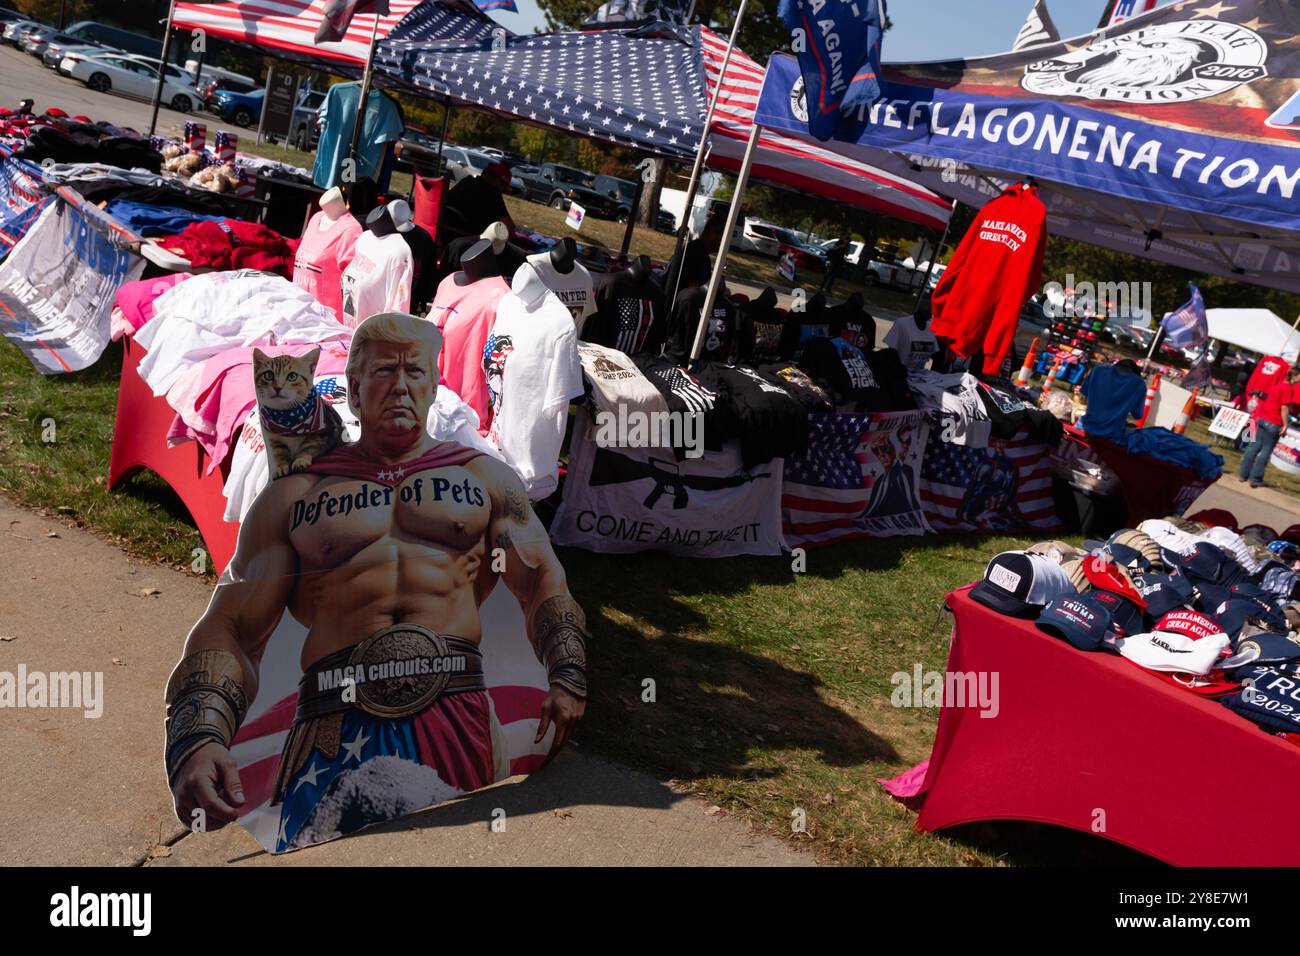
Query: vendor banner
{"x": 618, "y": 500}
{"x": 23, "y": 196}
{"x": 1135, "y": 134}
{"x": 859, "y": 478}
{"x": 58, "y": 284}
{"x": 1002, "y": 488}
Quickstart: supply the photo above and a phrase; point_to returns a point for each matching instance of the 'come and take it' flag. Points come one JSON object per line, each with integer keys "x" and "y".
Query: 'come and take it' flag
{"x": 838, "y": 45}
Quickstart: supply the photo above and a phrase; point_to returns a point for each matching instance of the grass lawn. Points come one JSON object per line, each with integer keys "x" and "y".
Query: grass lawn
{"x": 772, "y": 687}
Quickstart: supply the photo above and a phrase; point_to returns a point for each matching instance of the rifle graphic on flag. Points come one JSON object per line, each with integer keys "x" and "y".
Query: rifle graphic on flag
{"x": 1187, "y": 326}
{"x": 838, "y": 45}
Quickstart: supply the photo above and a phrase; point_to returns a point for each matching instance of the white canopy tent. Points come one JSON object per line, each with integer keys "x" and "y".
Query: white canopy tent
{"x": 1255, "y": 330}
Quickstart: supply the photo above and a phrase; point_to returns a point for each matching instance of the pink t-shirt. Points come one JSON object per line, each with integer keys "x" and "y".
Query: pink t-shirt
{"x": 466, "y": 314}
{"x": 324, "y": 252}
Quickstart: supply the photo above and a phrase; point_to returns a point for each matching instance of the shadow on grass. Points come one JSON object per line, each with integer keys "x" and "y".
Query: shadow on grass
{"x": 1043, "y": 844}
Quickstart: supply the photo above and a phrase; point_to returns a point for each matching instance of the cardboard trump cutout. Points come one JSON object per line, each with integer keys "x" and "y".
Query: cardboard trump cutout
{"x": 394, "y": 629}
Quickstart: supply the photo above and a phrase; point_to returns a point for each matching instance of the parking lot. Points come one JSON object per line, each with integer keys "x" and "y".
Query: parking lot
{"x": 23, "y": 77}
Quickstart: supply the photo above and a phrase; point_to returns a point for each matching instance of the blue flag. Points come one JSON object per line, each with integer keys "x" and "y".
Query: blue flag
{"x": 838, "y": 44}
{"x": 486, "y": 5}
{"x": 1187, "y": 326}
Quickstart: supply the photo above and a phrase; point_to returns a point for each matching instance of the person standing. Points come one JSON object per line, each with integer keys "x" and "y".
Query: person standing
{"x": 835, "y": 257}
{"x": 1271, "y": 417}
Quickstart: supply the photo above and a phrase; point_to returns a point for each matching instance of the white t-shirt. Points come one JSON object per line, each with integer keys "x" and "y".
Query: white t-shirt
{"x": 378, "y": 279}
{"x": 574, "y": 288}
{"x": 915, "y": 346}
{"x": 533, "y": 371}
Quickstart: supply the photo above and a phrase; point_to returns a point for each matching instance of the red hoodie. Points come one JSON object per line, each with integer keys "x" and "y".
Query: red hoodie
{"x": 996, "y": 268}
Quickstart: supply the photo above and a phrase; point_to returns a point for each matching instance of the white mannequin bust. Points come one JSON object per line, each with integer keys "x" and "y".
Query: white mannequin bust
{"x": 333, "y": 206}
{"x": 529, "y": 287}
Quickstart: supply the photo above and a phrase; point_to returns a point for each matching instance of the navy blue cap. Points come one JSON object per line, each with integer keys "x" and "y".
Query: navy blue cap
{"x": 1208, "y": 563}
{"x": 1080, "y": 619}
{"x": 1210, "y": 596}
{"x": 1233, "y": 614}
{"x": 1247, "y": 589}
{"x": 1125, "y": 616}
{"x": 1273, "y": 648}
{"x": 1128, "y": 557}
{"x": 1161, "y": 592}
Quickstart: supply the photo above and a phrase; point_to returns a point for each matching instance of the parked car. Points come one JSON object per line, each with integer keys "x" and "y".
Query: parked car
{"x": 242, "y": 109}
{"x": 557, "y": 186}
{"x": 757, "y": 235}
{"x": 623, "y": 192}
{"x": 806, "y": 255}
{"x": 13, "y": 31}
{"x": 101, "y": 34}
{"x": 519, "y": 174}
{"x": 304, "y": 126}
{"x": 895, "y": 274}
{"x": 35, "y": 38}
{"x": 61, "y": 44}
{"x": 209, "y": 88}
{"x": 120, "y": 73}
{"x": 459, "y": 162}
{"x": 417, "y": 149}
{"x": 81, "y": 51}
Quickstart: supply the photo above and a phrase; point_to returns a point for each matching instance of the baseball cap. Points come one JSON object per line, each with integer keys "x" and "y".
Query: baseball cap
{"x": 1058, "y": 551}
{"x": 1127, "y": 557}
{"x": 1192, "y": 624}
{"x": 1141, "y": 542}
{"x": 400, "y": 212}
{"x": 1215, "y": 518}
{"x": 1213, "y": 684}
{"x": 1262, "y": 645}
{"x": 1233, "y": 614}
{"x": 1208, "y": 562}
{"x": 1173, "y": 653}
{"x": 1162, "y": 592}
{"x": 1125, "y": 616}
{"x": 1016, "y": 582}
{"x": 1110, "y": 576}
{"x": 1292, "y": 613}
{"x": 1074, "y": 572}
{"x": 56, "y": 112}
{"x": 497, "y": 234}
{"x": 1079, "y": 619}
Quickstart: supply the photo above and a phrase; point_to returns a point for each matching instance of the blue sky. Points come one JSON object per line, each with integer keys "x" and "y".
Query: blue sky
{"x": 925, "y": 29}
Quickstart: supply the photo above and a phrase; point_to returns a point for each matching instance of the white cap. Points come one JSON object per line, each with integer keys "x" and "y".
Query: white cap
{"x": 400, "y": 212}
{"x": 1173, "y": 653}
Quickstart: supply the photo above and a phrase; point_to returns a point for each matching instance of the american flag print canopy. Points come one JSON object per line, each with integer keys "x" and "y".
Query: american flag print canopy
{"x": 289, "y": 27}
{"x": 646, "y": 89}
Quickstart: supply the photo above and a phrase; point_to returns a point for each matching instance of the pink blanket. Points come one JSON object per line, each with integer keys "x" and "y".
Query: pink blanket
{"x": 225, "y": 395}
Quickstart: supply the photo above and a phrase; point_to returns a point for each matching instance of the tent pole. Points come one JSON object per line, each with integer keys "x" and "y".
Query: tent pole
{"x": 361, "y": 103}
{"x": 162, "y": 67}
{"x": 720, "y": 262}
{"x": 1160, "y": 331}
{"x": 934, "y": 256}
{"x": 684, "y": 226}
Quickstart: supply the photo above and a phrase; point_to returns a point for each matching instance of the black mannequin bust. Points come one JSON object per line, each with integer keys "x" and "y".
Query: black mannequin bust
{"x": 767, "y": 299}
{"x": 855, "y": 302}
{"x": 380, "y": 222}
{"x": 817, "y": 304}
{"x": 478, "y": 262}
{"x": 564, "y": 254}
{"x": 640, "y": 268}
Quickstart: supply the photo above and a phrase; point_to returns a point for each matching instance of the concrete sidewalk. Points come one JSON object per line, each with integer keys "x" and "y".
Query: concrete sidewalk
{"x": 90, "y": 791}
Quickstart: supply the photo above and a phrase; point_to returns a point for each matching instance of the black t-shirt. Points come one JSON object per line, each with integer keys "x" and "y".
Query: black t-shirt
{"x": 853, "y": 324}
{"x": 693, "y": 260}
{"x": 870, "y": 381}
{"x": 800, "y": 327}
{"x": 469, "y": 207}
{"x": 629, "y": 314}
{"x": 1009, "y": 415}
{"x": 507, "y": 263}
{"x": 761, "y": 325}
{"x": 687, "y": 395}
{"x": 424, "y": 262}
{"x": 685, "y": 319}
{"x": 770, "y": 421}
{"x": 798, "y": 386}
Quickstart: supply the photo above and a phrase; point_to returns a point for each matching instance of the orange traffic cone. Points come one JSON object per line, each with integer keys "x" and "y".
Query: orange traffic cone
{"x": 1051, "y": 376}
{"x": 1180, "y": 426}
{"x": 1152, "y": 391}
{"x": 1026, "y": 370}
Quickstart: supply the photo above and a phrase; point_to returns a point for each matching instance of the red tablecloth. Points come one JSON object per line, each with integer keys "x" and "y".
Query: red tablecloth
{"x": 1151, "y": 488}
{"x": 1084, "y": 740}
{"x": 140, "y": 441}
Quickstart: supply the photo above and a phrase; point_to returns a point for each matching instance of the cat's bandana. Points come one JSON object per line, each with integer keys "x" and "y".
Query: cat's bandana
{"x": 307, "y": 418}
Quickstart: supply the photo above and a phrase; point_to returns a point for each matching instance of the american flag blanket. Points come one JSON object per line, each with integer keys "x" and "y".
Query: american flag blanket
{"x": 859, "y": 478}
{"x": 1004, "y": 487}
